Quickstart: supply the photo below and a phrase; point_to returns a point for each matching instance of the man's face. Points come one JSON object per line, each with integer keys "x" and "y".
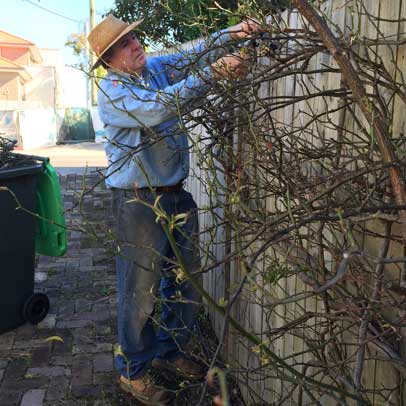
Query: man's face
{"x": 127, "y": 55}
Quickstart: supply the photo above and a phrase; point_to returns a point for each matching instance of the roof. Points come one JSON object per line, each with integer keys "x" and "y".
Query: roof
{"x": 6, "y": 63}
{"x": 8, "y": 38}
{"x": 9, "y": 66}
{"x": 11, "y": 40}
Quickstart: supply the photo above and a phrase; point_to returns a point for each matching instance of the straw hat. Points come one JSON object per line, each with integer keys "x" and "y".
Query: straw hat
{"x": 106, "y": 34}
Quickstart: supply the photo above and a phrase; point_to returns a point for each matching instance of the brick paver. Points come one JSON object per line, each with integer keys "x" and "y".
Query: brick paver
{"x": 36, "y": 371}
{"x": 33, "y": 397}
{"x": 77, "y": 368}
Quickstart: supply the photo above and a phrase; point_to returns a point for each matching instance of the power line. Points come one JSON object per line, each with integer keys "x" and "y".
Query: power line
{"x": 53, "y": 12}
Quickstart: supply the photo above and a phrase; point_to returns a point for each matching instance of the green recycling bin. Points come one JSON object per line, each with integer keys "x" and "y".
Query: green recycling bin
{"x": 18, "y": 301}
{"x": 50, "y": 234}
{"x": 50, "y": 237}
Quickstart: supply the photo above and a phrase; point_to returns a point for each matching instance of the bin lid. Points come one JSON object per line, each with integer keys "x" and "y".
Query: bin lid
{"x": 13, "y": 165}
{"x": 31, "y": 168}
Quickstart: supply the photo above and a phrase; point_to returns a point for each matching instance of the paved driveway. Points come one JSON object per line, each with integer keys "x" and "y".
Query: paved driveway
{"x": 76, "y": 369}
{"x": 73, "y": 158}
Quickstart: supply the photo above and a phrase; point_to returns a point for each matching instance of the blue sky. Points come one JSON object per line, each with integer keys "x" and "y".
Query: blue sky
{"x": 47, "y": 30}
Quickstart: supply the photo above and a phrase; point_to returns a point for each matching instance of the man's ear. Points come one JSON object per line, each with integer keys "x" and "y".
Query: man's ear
{"x": 106, "y": 58}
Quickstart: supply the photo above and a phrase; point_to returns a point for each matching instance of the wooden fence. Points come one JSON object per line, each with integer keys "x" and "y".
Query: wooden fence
{"x": 390, "y": 23}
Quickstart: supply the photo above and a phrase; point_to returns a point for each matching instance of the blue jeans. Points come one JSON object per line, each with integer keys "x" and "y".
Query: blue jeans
{"x": 144, "y": 275}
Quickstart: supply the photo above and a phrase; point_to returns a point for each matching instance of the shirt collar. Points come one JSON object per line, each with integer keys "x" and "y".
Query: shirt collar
{"x": 117, "y": 75}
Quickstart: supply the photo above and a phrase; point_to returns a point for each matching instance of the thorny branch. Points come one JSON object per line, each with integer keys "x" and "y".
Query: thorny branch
{"x": 300, "y": 171}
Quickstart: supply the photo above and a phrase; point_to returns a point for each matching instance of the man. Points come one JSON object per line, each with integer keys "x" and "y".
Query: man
{"x": 147, "y": 150}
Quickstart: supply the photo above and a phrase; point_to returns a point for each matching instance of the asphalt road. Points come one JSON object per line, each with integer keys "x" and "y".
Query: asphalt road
{"x": 73, "y": 158}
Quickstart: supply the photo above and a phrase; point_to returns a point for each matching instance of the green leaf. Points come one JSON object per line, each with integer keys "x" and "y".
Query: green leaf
{"x": 54, "y": 338}
{"x": 222, "y": 302}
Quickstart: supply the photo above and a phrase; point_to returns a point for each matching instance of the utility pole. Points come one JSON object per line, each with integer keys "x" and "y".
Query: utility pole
{"x": 92, "y": 57}
{"x": 88, "y": 101}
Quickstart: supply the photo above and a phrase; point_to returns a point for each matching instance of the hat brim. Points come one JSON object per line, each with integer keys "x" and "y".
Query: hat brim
{"x": 130, "y": 28}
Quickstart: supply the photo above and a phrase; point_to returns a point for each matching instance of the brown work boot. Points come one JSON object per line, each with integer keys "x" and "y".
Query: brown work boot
{"x": 144, "y": 390}
{"x": 182, "y": 366}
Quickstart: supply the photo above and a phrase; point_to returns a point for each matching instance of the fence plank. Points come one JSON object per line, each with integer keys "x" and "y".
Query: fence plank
{"x": 379, "y": 18}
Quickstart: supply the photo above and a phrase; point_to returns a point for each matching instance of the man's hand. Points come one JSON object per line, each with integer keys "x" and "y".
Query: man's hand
{"x": 245, "y": 29}
{"x": 233, "y": 66}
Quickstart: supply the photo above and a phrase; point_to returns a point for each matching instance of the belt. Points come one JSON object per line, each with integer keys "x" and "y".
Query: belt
{"x": 161, "y": 189}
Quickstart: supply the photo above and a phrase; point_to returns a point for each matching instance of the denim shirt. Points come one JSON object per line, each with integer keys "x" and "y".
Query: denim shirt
{"x": 146, "y": 145}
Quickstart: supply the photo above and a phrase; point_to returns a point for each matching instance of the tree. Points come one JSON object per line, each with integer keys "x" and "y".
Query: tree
{"x": 184, "y": 20}
{"x": 77, "y": 42}
{"x": 300, "y": 169}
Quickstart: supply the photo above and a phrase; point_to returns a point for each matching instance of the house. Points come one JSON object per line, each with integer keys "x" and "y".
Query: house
{"x": 30, "y": 91}
{"x": 18, "y": 50}
{"x": 16, "y": 54}
{"x": 32, "y": 103}
{"x": 13, "y": 78}
{"x": 29, "y": 76}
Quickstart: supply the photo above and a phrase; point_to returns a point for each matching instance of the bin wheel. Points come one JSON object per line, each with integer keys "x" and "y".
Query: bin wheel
{"x": 35, "y": 308}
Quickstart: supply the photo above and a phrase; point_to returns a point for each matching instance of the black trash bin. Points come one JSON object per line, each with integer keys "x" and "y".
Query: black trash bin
{"x": 18, "y": 302}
